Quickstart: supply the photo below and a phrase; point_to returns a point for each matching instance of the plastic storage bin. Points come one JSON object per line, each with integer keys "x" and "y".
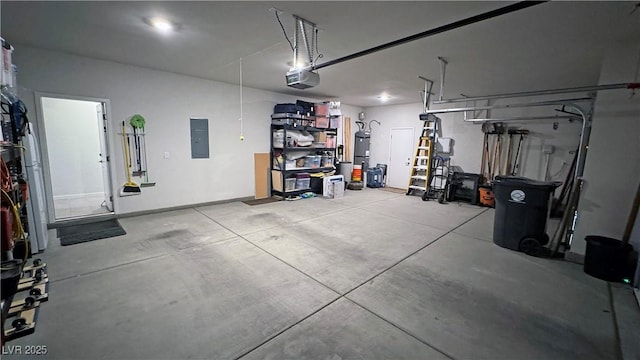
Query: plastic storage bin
{"x": 312, "y": 161}
{"x": 327, "y": 160}
{"x": 290, "y": 184}
{"x": 330, "y": 142}
{"x": 522, "y": 207}
{"x": 322, "y": 122}
{"x": 303, "y": 181}
{"x": 334, "y": 122}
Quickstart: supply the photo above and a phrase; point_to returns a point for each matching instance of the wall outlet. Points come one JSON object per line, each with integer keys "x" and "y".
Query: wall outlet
{"x": 166, "y": 155}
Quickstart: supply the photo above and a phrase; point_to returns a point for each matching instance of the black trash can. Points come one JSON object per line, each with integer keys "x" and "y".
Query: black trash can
{"x": 316, "y": 185}
{"x": 522, "y": 206}
{"x": 608, "y": 259}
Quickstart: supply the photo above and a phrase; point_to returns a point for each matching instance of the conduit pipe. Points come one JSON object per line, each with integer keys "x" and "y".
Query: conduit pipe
{"x": 542, "y": 92}
{"x": 507, "y": 106}
{"x": 524, "y": 118}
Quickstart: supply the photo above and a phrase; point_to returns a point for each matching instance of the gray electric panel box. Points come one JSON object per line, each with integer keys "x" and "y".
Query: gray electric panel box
{"x": 361, "y": 152}
{"x": 199, "y": 138}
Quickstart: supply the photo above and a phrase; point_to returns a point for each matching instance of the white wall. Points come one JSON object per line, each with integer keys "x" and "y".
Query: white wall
{"x": 74, "y": 146}
{"x": 167, "y": 101}
{"x": 468, "y": 138}
{"x": 612, "y": 169}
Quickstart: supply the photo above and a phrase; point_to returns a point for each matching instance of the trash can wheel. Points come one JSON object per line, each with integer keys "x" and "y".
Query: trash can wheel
{"x": 530, "y": 246}
{"x": 425, "y": 196}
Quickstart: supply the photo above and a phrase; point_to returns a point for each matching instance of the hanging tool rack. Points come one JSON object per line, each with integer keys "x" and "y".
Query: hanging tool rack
{"x": 580, "y": 108}
{"x": 24, "y": 286}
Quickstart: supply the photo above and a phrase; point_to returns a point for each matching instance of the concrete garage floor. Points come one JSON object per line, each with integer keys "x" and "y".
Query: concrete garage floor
{"x": 373, "y": 275}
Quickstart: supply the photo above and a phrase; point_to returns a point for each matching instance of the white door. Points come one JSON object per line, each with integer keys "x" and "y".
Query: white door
{"x": 400, "y": 154}
{"x": 104, "y": 154}
{"x": 74, "y": 146}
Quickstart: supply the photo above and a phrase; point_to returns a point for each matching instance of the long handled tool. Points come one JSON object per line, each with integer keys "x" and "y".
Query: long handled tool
{"x": 136, "y": 142}
{"x": 137, "y": 123}
{"x": 129, "y": 186}
{"x": 516, "y": 160}
{"x": 485, "y": 150}
{"x": 507, "y": 163}
{"x": 494, "y": 165}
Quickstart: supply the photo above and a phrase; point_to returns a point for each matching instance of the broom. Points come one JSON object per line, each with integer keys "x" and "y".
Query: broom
{"x": 129, "y": 186}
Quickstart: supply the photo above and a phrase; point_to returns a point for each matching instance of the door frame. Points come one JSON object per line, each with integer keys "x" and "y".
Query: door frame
{"x": 413, "y": 132}
{"x": 44, "y": 149}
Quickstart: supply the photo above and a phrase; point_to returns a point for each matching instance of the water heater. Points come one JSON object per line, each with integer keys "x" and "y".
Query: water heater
{"x": 361, "y": 152}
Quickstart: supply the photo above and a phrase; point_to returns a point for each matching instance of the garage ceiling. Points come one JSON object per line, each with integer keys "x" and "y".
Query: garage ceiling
{"x": 556, "y": 44}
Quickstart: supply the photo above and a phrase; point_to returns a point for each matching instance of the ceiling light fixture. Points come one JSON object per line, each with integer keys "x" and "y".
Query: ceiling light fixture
{"x": 163, "y": 25}
{"x": 384, "y": 97}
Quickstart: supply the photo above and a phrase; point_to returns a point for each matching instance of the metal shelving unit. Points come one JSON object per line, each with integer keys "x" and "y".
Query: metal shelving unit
{"x": 289, "y": 122}
{"x": 24, "y": 285}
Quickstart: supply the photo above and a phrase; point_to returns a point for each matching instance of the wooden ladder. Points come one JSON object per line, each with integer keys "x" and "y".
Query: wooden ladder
{"x": 423, "y": 158}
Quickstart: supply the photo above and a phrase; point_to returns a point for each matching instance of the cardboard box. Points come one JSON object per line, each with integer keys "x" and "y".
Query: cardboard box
{"x": 320, "y": 137}
{"x": 276, "y": 180}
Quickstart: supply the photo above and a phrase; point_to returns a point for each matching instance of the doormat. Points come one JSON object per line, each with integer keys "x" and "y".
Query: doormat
{"x": 75, "y": 234}
{"x": 260, "y": 201}
{"x": 394, "y": 190}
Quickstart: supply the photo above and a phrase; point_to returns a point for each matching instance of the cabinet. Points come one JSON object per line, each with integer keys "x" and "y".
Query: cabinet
{"x": 294, "y": 154}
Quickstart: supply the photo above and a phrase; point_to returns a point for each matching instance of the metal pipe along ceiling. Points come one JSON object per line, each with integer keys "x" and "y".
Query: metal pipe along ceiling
{"x": 524, "y": 118}
{"x": 542, "y": 92}
{"x": 507, "y": 106}
{"x": 451, "y": 26}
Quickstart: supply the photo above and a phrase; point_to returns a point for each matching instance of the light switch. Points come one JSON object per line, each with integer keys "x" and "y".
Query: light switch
{"x": 166, "y": 154}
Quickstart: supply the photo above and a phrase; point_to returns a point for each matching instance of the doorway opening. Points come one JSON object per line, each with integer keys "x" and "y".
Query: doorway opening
{"x": 401, "y": 149}
{"x": 76, "y": 157}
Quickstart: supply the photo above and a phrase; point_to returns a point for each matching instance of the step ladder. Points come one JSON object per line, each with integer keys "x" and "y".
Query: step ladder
{"x": 421, "y": 165}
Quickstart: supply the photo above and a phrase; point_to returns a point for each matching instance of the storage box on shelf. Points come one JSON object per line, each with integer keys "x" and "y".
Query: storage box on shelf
{"x": 297, "y": 147}
{"x": 312, "y": 161}
{"x": 289, "y": 184}
{"x": 303, "y": 181}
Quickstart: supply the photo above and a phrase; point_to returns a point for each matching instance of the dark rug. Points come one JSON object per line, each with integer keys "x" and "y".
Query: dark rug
{"x": 260, "y": 201}
{"x": 74, "y": 234}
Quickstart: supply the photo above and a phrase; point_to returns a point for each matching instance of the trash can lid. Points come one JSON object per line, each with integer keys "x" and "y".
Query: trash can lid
{"x": 525, "y": 182}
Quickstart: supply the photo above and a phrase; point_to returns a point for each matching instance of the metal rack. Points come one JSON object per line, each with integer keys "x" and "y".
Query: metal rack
{"x": 288, "y": 122}
{"x": 24, "y": 287}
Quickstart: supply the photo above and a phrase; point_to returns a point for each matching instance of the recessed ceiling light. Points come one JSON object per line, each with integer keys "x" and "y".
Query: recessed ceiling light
{"x": 163, "y": 25}
{"x": 384, "y": 97}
